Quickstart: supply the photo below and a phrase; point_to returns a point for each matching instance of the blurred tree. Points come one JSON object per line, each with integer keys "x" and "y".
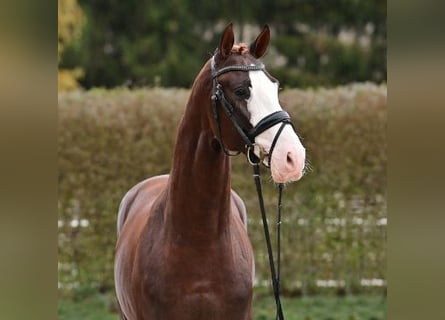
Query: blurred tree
{"x": 70, "y": 22}
{"x": 138, "y": 43}
{"x": 328, "y": 42}
{"x": 164, "y": 43}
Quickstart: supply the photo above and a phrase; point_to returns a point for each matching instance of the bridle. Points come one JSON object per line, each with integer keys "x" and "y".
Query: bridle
{"x": 248, "y": 136}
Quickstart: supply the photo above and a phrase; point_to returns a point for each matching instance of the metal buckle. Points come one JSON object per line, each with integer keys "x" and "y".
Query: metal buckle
{"x": 251, "y": 156}
{"x": 251, "y": 152}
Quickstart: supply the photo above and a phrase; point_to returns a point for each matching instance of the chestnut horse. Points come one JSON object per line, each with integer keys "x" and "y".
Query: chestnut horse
{"x": 183, "y": 250}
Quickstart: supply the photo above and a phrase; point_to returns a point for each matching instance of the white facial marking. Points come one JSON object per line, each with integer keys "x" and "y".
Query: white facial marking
{"x": 288, "y": 157}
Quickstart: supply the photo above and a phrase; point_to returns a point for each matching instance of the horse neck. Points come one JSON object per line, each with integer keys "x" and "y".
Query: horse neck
{"x": 198, "y": 197}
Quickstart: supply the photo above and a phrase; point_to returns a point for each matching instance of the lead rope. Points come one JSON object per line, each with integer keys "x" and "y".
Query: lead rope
{"x": 275, "y": 278}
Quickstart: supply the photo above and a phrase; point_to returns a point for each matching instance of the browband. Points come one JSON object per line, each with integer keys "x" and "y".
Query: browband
{"x": 217, "y": 73}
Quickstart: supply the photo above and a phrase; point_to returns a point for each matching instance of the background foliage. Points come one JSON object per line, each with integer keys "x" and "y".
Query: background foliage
{"x": 334, "y": 227}
{"x": 71, "y": 20}
{"x": 163, "y": 43}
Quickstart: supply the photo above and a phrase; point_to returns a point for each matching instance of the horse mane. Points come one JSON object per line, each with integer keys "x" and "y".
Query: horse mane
{"x": 240, "y": 48}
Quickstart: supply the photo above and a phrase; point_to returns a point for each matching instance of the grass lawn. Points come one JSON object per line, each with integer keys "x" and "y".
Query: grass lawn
{"x": 361, "y": 307}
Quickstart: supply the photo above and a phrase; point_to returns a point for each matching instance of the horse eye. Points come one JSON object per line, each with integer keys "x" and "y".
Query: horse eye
{"x": 242, "y": 92}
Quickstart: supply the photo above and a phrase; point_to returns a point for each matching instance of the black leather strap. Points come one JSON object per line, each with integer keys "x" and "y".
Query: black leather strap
{"x": 274, "y": 142}
{"x": 237, "y": 68}
{"x": 268, "y": 122}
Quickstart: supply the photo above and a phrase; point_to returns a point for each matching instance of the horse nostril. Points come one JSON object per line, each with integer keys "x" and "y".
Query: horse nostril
{"x": 290, "y": 159}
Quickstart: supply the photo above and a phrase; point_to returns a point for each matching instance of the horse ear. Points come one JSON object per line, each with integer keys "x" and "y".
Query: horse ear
{"x": 259, "y": 46}
{"x": 227, "y": 40}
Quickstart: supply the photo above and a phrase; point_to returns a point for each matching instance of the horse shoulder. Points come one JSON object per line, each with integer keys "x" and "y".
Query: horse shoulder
{"x": 146, "y": 191}
{"x": 134, "y": 211}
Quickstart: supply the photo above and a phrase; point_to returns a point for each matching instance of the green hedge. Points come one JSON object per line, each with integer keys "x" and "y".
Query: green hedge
{"x": 334, "y": 218}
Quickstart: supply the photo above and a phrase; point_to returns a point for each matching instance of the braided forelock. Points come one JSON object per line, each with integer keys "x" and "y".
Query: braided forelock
{"x": 241, "y": 48}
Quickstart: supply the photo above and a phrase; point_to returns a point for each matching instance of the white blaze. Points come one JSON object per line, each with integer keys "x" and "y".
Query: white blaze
{"x": 288, "y": 157}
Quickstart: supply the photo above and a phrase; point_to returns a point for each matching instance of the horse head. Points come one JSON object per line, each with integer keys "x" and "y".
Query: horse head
{"x": 253, "y": 122}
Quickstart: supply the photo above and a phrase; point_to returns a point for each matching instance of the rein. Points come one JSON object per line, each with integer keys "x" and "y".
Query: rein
{"x": 248, "y": 136}
{"x": 275, "y": 274}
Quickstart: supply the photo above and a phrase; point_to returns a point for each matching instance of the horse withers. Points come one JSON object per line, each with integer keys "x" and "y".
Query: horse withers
{"x": 183, "y": 250}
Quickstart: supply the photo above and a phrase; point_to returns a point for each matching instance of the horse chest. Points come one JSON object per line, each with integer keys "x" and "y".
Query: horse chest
{"x": 186, "y": 283}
